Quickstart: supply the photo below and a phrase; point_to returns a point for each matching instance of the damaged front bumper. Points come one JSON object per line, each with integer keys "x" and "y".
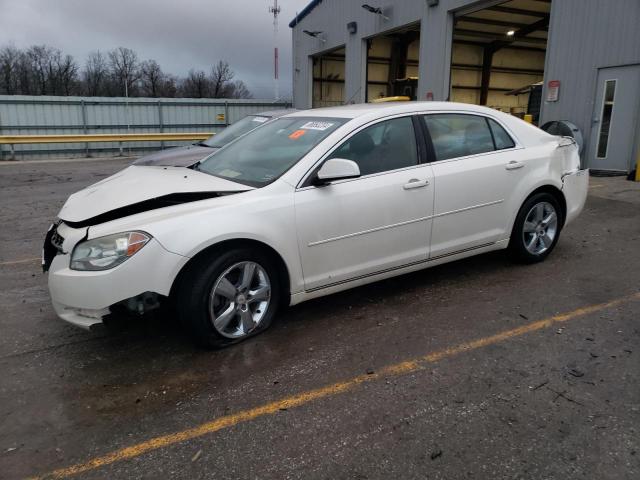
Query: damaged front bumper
{"x": 85, "y": 298}
{"x": 575, "y": 186}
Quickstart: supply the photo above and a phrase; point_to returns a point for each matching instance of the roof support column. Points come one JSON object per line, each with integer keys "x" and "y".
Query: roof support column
{"x": 355, "y": 70}
{"x": 436, "y": 35}
{"x": 487, "y": 61}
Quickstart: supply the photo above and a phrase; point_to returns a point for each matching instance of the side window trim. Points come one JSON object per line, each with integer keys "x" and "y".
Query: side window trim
{"x": 430, "y": 149}
{"x": 421, "y": 140}
{"x": 306, "y": 179}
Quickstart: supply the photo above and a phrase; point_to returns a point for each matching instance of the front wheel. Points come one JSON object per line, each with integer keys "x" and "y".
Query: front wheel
{"x": 536, "y": 229}
{"x": 232, "y": 296}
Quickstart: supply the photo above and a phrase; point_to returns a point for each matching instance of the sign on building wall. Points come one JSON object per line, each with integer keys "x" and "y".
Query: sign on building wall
{"x": 553, "y": 90}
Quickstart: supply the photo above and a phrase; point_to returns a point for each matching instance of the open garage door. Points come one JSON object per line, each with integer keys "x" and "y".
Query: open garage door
{"x": 328, "y": 78}
{"x": 498, "y": 56}
{"x": 392, "y": 63}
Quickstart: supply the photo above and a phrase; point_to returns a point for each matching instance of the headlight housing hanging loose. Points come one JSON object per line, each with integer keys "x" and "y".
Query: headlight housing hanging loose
{"x": 107, "y": 252}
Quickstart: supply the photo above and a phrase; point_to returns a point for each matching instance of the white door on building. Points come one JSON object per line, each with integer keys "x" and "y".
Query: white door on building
{"x": 615, "y": 119}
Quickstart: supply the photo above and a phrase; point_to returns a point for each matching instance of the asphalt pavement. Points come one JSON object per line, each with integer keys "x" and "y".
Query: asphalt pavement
{"x": 477, "y": 369}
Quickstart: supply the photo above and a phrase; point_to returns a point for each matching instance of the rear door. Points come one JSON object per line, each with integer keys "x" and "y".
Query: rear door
{"x": 475, "y": 170}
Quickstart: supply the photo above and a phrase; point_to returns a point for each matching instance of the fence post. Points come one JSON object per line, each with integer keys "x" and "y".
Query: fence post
{"x": 226, "y": 114}
{"x": 160, "y": 120}
{"x": 84, "y": 126}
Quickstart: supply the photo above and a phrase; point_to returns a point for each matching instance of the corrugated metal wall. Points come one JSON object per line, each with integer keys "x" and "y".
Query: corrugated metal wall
{"x": 46, "y": 115}
{"x": 584, "y": 36}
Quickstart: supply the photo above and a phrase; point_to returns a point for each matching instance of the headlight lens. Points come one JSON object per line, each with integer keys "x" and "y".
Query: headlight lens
{"x": 107, "y": 252}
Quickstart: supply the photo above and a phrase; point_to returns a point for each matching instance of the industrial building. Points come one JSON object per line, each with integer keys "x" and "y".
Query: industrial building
{"x": 574, "y": 60}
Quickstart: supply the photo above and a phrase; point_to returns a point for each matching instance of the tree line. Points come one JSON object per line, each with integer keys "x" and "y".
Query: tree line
{"x": 44, "y": 70}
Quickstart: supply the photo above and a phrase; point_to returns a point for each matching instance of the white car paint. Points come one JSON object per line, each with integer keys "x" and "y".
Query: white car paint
{"x": 352, "y": 232}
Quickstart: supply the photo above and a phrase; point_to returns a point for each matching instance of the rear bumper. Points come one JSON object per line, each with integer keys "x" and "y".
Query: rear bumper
{"x": 575, "y": 187}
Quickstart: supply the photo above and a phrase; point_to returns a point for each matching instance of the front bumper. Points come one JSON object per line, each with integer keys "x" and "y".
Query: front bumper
{"x": 85, "y": 298}
{"x": 575, "y": 187}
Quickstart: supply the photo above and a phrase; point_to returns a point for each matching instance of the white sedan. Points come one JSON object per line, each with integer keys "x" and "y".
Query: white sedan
{"x": 312, "y": 203}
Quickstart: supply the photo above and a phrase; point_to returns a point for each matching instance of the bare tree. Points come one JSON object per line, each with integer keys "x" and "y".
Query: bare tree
{"x": 40, "y": 58}
{"x": 169, "y": 86}
{"x": 152, "y": 78}
{"x": 124, "y": 70}
{"x": 66, "y": 75}
{"x": 95, "y": 74}
{"x": 9, "y": 67}
{"x": 196, "y": 85}
{"x": 44, "y": 70}
{"x": 238, "y": 89}
{"x": 221, "y": 76}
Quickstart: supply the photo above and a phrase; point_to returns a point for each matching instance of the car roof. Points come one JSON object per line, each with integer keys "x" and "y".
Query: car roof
{"x": 390, "y": 108}
{"x": 526, "y": 133}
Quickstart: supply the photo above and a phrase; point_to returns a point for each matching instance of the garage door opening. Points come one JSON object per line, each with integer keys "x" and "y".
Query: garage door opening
{"x": 328, "y": 78}
{"x": 498, "y": 56}
{"x": 392, "y": 63}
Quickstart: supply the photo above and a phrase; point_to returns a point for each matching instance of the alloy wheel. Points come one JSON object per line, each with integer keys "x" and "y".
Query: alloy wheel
{"x": 540, "y": 228}
{"x": 239, "y": 299}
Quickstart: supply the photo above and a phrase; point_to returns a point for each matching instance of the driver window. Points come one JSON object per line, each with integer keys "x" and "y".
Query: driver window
{"x": 385, "y": 146}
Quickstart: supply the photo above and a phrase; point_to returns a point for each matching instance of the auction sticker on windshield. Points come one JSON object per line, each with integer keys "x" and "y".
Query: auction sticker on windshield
{"x": 260, "y": 119}
{"x": 316, "y": 125}
{"x": 297, "y": 134}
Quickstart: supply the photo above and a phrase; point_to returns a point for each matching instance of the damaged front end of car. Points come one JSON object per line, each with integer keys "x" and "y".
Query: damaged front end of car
{"x": 97, "y": 268}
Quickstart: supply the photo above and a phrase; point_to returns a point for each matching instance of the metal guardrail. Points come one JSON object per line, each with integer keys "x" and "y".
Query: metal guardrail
{"x": 102, "y": 137}
{"x": 12, "y": 140}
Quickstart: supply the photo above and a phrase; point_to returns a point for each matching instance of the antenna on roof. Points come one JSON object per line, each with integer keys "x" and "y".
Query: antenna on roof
{"x": 275, "y": 10}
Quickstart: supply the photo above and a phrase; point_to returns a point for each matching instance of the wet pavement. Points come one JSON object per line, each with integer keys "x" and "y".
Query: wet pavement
{"x": 555, "y": 402}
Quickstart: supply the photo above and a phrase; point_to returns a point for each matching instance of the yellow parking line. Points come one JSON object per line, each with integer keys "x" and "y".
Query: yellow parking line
{"x": 323, "y": 392}
{"x": 24, "y": 260}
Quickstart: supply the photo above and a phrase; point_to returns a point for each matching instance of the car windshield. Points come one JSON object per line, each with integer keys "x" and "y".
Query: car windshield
{"x": 235, "y": 130}
{"x": 264, "y": 154}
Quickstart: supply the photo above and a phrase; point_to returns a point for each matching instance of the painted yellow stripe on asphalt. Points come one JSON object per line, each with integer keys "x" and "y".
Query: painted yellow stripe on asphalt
{"x": 303, "y": 398}
{"x": 24, "y": 260}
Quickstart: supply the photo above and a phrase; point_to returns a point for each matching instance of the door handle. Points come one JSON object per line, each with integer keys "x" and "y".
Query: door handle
{"x": 513, "y": 165}
{"x": 415, "y": 183}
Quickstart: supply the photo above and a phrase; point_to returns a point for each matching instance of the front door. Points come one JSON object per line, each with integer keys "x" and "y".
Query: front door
{"x": 380, "y": 221}
{"x": 614, "y": 127}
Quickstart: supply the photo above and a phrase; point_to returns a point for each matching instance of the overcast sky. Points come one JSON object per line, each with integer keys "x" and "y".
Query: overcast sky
{"x": 179, "y": 34}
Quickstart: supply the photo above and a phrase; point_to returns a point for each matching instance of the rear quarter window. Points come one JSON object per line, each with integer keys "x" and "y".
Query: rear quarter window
{"x": 500, "y": 136}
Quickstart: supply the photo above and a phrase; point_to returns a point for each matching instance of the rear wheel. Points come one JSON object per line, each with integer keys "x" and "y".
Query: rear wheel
{"x": 536, "y": 229}
{"x": 232, "y": 296}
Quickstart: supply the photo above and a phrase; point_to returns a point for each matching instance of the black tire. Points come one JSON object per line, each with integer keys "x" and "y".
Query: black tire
{"x": 517, "y": 249}
{"x": 191, "y": 300}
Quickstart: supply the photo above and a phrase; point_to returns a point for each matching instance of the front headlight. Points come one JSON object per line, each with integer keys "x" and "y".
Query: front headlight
{"x": 106, "y": 252}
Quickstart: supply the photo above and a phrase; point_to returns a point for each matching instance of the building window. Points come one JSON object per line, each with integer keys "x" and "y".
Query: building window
{"x": 605, "y": 119}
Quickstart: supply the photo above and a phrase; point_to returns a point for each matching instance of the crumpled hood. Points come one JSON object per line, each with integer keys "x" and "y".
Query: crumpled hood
{"x": 176, "y": 157}
{"x": 136, "y": 189}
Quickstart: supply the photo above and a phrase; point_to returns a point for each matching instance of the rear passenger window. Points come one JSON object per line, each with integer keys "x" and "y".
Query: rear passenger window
{"x": 500, "y": 136}
{"x": 459, "y": 135}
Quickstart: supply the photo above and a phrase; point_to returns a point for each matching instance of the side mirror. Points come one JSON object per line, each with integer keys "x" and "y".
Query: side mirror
{"x": 336, "y": 169}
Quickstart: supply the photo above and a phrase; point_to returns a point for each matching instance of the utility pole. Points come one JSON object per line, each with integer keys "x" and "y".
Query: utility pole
{"x": 275, "y": 10}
